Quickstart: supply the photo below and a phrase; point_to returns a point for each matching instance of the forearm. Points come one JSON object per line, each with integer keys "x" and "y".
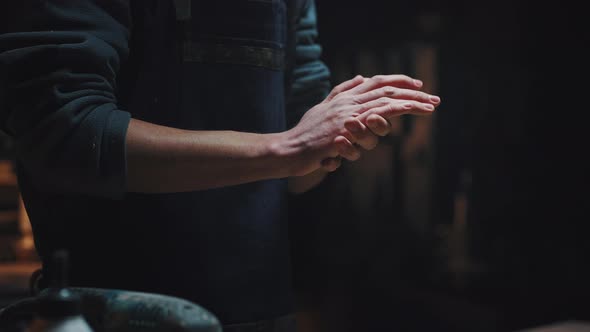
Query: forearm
{"x": 164, "y": 159}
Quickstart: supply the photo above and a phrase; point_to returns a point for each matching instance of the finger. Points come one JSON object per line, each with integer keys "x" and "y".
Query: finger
{"x": 384, "y": 101}
{"x": 361, "y": 135}
{"x": 398, "y": 108}
{"x": 331, "y": 164}
{"x": 346, "y": 149}
{"x": 397, "y": 93}
{"x": 344, "y": 86}
{"x": 375, "y": 82}
{"x": 378, "y": 125}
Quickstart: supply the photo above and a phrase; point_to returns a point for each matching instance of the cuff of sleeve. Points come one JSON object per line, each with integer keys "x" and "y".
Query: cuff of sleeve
{"x": 114, "y": 161}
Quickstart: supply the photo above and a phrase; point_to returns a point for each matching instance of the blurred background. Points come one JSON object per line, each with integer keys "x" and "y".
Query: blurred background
{"x": 473, "y": 219}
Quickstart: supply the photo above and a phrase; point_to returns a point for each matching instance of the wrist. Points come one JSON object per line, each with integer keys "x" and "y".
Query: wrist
{"x": 287, "y": 150}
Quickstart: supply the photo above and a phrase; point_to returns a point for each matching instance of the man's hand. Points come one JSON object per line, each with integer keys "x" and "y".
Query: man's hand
{"x": 164, "y": 159}
{"x": 352, "y": 117}
{"x": 377, "y": 121}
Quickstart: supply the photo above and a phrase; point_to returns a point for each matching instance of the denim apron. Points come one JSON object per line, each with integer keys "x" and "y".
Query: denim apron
{"x": 219, "y": 66}
{"x": 232, "y": 78}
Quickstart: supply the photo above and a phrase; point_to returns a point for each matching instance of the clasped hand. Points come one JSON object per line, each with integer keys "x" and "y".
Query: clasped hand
{"x": 353, "y": 117}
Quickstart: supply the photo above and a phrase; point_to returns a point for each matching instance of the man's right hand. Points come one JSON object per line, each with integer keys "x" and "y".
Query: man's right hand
{"x": 352, "y": 117}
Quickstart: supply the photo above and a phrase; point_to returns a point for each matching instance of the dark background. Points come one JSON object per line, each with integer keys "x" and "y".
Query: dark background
{"x": 484, "y": 227}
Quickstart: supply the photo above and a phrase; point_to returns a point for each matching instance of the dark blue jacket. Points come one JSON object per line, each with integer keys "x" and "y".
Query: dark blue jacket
{"x": 73, "y": 73}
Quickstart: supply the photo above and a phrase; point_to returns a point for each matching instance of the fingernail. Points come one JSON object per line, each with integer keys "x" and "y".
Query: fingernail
{"x": 429, "y": 107}
{"x": 418, "y": 83}
{"x": 434, "y": 99}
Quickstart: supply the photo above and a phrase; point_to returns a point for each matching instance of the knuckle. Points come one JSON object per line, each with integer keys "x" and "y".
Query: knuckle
{"x": 354, "y": 100}
{"x": 383, "y": 100}
{"x": 390, "y": 108}
{"x": 379, "y": 78}
{"x": 349, "y": 137}
{"x": 403, "y": 77}
{"x": 337, "y": 90}
{"x": 361, "y": 109}
{"x": 389, "y": 90}
{"x": 377, "y": 129}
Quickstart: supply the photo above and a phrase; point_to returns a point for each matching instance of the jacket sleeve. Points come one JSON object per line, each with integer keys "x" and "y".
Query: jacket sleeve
{"x": 310, "y": 75}
{"x": 58, "y": 66}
